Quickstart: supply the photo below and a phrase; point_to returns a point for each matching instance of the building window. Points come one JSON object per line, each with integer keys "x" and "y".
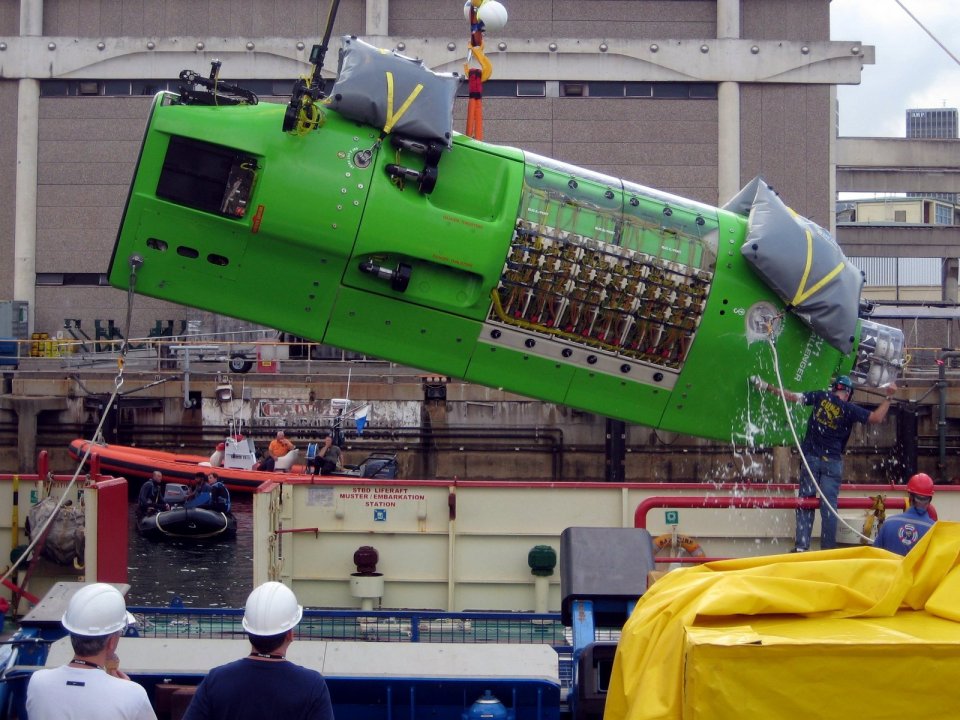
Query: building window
{"x": 491, "y": 88}
{"x": 508, "y": 88}
{"x": 638, "y": 89}
{"x": 899, "y": 215}
{"x": 607, "y": 89}
{"x": 74, "y": 279}
{"x": 943, "y": 215}
{"x": 531, "y": 88}
{"x": 663, "y": 90}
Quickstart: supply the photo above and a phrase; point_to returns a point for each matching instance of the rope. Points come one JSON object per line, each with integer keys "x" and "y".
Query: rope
{"x": 43, "y": 529}
{"x": 136, "y": 262}
{"x": 309, "y": 117}
{"x": 824, "y": 502}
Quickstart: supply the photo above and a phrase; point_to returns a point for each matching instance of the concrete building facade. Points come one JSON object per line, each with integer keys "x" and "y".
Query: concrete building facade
{"x": 693, "y": 97}
{"x": 938, "y": 123}
{"x": 931, "y": 123}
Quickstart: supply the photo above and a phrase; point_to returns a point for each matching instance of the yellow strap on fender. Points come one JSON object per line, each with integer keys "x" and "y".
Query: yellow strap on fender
{"x": 802, "y": 292}
{"x": 391, "y": 117}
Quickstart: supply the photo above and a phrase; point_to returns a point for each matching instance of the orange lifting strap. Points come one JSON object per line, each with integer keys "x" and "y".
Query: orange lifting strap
{"x": 476, "y": 77}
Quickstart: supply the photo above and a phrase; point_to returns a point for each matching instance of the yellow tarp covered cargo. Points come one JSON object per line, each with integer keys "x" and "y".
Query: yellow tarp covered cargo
{"x": 851, "y": 633}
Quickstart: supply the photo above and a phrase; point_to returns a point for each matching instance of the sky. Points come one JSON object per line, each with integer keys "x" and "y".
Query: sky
{"x": 911, "y": 70}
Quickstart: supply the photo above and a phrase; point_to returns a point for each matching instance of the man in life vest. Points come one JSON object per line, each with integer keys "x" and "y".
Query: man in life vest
{"x": 902, "y": 532}
{"x": 219, "y": 495}
{"x": 209, "y": 493}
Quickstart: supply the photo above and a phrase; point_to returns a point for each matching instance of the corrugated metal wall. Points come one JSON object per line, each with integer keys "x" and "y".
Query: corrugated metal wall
{"x": 892, "y": 272}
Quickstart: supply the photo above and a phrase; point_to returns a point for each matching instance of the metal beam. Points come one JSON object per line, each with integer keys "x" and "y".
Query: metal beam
{"x": 898, "y": 165}
{"x": 652, "y": 59}
{"x": 897, "y": 180}
{"x": 917, "y": 241}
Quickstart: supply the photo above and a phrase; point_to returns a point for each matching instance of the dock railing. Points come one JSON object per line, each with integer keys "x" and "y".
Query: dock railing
{"x": 403, "y": 626}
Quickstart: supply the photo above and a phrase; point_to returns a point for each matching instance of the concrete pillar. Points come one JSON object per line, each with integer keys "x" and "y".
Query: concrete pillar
{"x": 728, "y": 141}
{"x": 25, "y": 214}
{"x": 728, "y": 111}
{"x": 31, "y": 18}
{"x": 27, "y": 409}
{"x": 728, "y": 18}
{"x": 949, "y": 280}
{"x": 377, "y": 20}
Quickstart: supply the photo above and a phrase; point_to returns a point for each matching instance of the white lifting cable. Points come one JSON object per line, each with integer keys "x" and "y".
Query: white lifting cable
{"x": 793, "y": 431}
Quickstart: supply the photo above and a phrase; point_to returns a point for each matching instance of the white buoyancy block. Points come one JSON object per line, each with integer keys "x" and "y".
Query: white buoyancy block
{"x": 64, "y": 540}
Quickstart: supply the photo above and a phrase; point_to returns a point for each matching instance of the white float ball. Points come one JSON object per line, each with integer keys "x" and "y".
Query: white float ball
{"x": 492, "y": 14}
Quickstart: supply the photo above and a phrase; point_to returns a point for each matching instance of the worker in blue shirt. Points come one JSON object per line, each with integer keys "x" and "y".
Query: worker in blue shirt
{"x": 828, "y": 430}
{"x": 902, "y": 532}
{"x": 210, "y": 493}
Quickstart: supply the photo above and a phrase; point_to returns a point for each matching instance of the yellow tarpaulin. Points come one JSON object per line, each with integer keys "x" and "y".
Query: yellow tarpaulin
{"x": 797, "y": 636}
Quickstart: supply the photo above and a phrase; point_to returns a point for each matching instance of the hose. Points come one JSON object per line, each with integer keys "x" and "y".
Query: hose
{"x": 803, "y": 458}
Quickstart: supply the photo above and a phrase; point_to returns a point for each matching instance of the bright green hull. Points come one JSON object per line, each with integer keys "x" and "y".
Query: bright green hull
{"x": 516, "y": 271}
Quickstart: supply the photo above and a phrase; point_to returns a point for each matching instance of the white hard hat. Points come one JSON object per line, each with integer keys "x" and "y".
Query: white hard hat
{"x": 95, "y": 610}
{"x": 271, "y": 609}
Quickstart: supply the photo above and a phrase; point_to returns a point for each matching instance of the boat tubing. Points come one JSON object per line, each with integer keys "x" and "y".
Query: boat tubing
{"x": 139, "y": 463}
{"x": 188, "y": 523}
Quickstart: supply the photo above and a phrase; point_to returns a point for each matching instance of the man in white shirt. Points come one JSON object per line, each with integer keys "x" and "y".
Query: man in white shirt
{"x": 91, "y": 685}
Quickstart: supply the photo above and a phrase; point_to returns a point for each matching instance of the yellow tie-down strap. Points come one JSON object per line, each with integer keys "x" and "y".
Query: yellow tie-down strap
{"x": 393, "y": 118}
{"x": 803, "y": 292}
